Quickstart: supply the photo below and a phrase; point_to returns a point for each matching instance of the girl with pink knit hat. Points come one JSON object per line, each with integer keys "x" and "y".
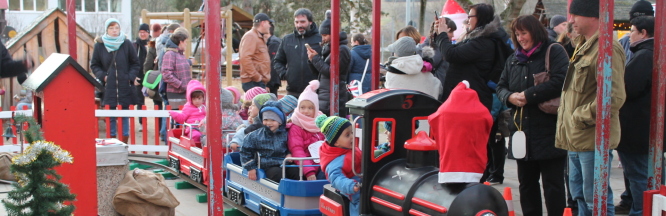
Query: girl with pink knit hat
{"x": 303, "y": 131}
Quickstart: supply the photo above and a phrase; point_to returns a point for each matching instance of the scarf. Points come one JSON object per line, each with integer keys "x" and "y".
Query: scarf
{"x": 634, "y": 44}
{"x": 113, "y": 43}
{"x": 523, "y": 55}
{"x": 305, "y": 122}
{"x": 328, "y": 153}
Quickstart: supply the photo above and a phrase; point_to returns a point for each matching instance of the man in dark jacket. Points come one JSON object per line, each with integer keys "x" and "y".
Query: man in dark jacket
{"x": 320, "y": 65}
{"x": 11, "y": 68}
{"x": 291, "y": 60}
{"x": 140, "y": 47}
{"x": 273, "y": 45}
{"x": 635, "y": 113}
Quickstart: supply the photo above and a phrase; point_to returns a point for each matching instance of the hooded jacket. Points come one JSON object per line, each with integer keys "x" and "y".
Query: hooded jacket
{"x": 120, "y": 68}
{"x": 255, "y": 62}
{"x": 291, "y": 60}
{"x": 299, "y": 141}
{"x": 576, "y": 117}
{"x": 472, "y": 59}
{"x": 191, "y": 113}
{"x": 359, "y": 55}
{"x": 539, "y": 127}
{"x": 271, "y": 146}
{"x": 405, "y": 73}
{"x": 321, "y": 65}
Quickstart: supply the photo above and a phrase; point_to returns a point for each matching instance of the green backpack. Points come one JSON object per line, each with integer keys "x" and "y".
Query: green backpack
{"x": 152, "y": 79}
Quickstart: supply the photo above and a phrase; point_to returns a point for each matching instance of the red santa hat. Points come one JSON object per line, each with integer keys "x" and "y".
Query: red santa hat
{"x": 453, "y": 11}
{"x": 461, "y": 127}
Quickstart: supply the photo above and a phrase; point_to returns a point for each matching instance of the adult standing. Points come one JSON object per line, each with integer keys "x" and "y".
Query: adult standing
{"x": 558, "y": 25}
{"x": 176, "y": 68}
{"x": 255, "y": 62}
{"x": 635, "y": 113}
{"x": 273, "y": 46}
{"x": 360, "y": 62}
{"x": 140, "y": 46}
{"x": 640, "y": 8}
{"x": 516, "y": 89}
{"x": 320, "y": 65}
{"x": 578, "y": 107}
{"x": 291, "y": 60}
{"x": 115, "y": 62}
{"x": 151, "y": 63}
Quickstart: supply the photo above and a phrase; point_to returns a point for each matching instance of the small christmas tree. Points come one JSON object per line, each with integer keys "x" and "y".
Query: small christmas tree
{"x": 38, "y": 191}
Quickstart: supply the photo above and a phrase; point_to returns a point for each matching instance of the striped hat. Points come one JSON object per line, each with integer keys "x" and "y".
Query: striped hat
{"x": 332, "y": 127}
{"x": 261, "y": 99}
{"x": 289, "y": 103}
{"x": 251, "y": 93}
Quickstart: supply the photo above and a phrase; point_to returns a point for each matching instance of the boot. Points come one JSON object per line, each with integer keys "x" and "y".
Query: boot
{"x": 125, "y": 139}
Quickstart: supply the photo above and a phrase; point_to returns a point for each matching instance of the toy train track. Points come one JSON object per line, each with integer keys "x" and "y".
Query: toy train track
{"x": 196, "y": 184}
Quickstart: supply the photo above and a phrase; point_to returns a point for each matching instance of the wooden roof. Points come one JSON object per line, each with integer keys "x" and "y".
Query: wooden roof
{"x": 50, "y": 69}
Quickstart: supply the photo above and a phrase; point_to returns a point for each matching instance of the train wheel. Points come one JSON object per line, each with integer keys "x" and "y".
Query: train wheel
{"x": 174, "y": 163}
{"x": 196, "y": 175}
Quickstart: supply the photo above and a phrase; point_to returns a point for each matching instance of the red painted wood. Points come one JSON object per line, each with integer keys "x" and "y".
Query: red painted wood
{"x": 386, "y": 204}
{"x": 427, "y": 204}
{"x": 604, "y": 81}
{"x": 157, "y": 129}
{"x": 388, "y": 192}
{"x": 68, "y": 122}
{"x": 144, "y": 127}
{"x": 14, "y": 139}
{"x": 335, "y": 57}
{"x": 657, "y": 109}
{"x": 132, "y": 128}
{"x": 108, "y": 123}
{"x": 71, "y": 28}
{"x": 214, "y": 110}
{"x": 376, "y": 43}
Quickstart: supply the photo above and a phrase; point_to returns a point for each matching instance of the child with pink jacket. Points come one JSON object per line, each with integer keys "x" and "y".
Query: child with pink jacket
{"x": 303, "y": 131}
{"x": 194, "y": 111}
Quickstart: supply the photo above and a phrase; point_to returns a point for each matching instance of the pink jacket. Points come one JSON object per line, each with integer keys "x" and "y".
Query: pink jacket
{"x": 190, "y": 113}
{"x": 298, "y": 141}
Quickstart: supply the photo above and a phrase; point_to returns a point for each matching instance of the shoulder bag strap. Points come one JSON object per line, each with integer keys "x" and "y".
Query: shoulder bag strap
{"x": 548, "y": 55}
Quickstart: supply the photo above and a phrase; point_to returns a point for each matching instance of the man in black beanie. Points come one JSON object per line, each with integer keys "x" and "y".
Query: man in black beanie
{"x": 577, "y": 112}
{"x": 140, "y": 46}
{"x": 640, "y": 8}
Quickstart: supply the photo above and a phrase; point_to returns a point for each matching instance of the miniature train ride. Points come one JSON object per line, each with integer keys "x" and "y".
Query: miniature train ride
{"x": 399, "y": 181}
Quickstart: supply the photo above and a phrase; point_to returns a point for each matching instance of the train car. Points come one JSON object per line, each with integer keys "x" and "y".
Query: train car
{"x": 402, "y": 180}
{"x": 187, "y": 156}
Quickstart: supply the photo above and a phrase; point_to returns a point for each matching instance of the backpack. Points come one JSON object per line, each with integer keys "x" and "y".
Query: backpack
{"x": 151, "y": 81}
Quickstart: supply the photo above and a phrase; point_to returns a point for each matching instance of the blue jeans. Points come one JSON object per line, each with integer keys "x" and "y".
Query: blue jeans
{"x": 581, "y": 182}
{"x": 635, "y": 169}
{"x": 163, "y": 133}
{"x": 114, "y": 126}
{"x": 248, "y": 85}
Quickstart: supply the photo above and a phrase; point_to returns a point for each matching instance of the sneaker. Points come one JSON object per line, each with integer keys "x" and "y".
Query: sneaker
{"x": 622, "y": 209}
{"x": 494, "y": 181}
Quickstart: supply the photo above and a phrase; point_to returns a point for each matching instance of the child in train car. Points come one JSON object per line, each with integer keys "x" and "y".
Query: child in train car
{"x": 194, "y": 110}
{"x": 335, "y": 156}
{"x": 253, "y": 113}
{"x": 289, "y": 103}
{"x": 303, "y": 131}
{"x": 269, "y": 142}
{"x": 230, "y": 103}
{"x": 247, "y": 98}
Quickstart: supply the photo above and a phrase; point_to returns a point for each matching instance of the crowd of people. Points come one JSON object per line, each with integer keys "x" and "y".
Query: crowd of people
{"x": 516, "y": 73}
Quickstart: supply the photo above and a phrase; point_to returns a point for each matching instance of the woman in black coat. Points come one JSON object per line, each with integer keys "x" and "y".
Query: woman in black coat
{"x": 516, "y": 89}
{"x": 116, "y": 64}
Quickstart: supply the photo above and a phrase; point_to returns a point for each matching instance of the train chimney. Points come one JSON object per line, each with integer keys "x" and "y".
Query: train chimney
{"x": 419, "y": 150}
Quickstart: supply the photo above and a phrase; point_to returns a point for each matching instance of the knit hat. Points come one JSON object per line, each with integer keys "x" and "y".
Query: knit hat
{"x": 227, "y": 100}
{"x": 310, "y": 94}
{"x": 261, "y": 99}
{"x": 556, "y": 20}
{"x": 641, "y": 8}
{"x": 144, "y": 27}
{"x": 236, "y": 93}
{"x": 156, "y": 27}
{"x": 288, "y": 103}
{"x": 325, "y": 27}
{"x": 272, "y": 110}
{"x": 251, "y": 93}
{"x": 332, "y": 127}
{"x": 404, "y": 46}
{"x": 586, "y": 8}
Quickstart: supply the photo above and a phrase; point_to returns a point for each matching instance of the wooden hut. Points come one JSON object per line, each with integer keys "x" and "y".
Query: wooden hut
{"x": 46, "y": 35}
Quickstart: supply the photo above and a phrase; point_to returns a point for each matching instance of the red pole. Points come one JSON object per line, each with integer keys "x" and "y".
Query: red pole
{"x": 71, "y": 28}
{"x": 568, "y": 14}
{"x": 657, "y": 110}
{"x": 376, "y": 42}
{"x": 604, "y": 81}
{"x": 213, "y": 120}
{"x": 335, "y": 56}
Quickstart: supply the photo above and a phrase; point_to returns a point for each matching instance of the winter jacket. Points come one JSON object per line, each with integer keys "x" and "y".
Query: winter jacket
{"x": 405, "y": 73}
{"x": 273, "y": 46}
{"x": 175, "y": 69}
{"x": 190, "y": 113}
{"x": 151, "y": 55}
{"x": 361, "y": 54}
{"x": 576, "y": 117}
{"x": 255, "y": 63}
{"x": 140, "y": 48}
{"x": 472, "y": 59}
{"x": 291, "y": 60}
{"x": 271, "y": 147}
{"x": 439, "y": 64}
{"x": 9, "y": 67}
{"x": 344, "y": 184}
{"x": 635, "y": 113}
{"x": 120, "y": 72}
{"x": 539, "y": 127}
{"x": 320, "y": 66}
{"x": 626, "y": 44}
{"x": 552, "y": 35}
{"x": 161, "y": 45}
{"x": 299, "y": 141}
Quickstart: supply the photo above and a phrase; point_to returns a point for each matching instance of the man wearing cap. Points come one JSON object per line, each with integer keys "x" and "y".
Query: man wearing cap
{"x": 558, "y": 25}
{"x": 578, "y": 108}
{"x": 255, "y": 63}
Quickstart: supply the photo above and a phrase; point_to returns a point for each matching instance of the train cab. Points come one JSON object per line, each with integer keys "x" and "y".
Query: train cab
{"x": 186, "y": 155}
